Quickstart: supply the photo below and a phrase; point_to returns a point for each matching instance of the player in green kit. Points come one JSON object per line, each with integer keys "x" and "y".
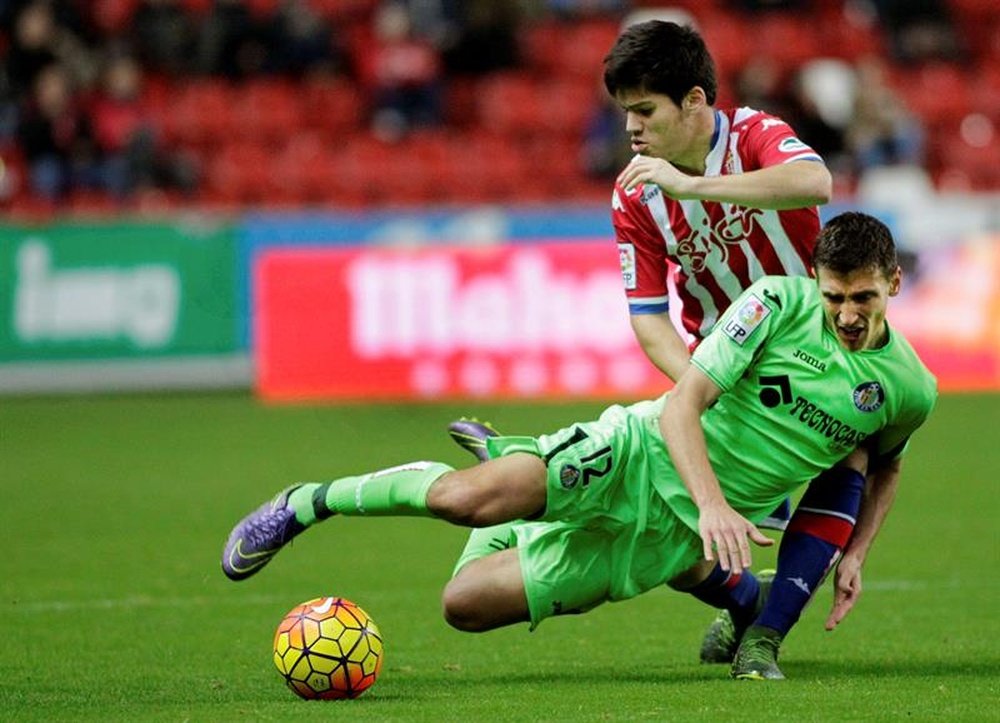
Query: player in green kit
{"x": 799, "y": 376}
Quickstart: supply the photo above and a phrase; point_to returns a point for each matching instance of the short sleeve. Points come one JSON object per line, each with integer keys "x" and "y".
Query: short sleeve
{"x": 770, "y": 141}
{"x": 893, "y": 441}
{"x": 642, "y": 255}
{"x": 737, "y": 338}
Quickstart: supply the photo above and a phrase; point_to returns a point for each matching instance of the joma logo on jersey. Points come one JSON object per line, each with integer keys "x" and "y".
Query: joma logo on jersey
{"x": 810, "y": 360}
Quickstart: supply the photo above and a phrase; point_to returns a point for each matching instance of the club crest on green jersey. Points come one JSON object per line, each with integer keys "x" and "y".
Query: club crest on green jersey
{"x": 869, "y": 396}
{"x": 569, "y": 475}
{"x": 747, "y": 318}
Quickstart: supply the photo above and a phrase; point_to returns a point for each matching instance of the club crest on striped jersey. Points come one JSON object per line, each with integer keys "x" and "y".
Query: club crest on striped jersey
{"x": 708, "y": 244}
{"x": 869, "y": 396}
{"x": 750, "y": 314}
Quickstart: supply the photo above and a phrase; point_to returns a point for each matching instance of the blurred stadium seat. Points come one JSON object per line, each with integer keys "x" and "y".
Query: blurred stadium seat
{"x": 517, "y": 133}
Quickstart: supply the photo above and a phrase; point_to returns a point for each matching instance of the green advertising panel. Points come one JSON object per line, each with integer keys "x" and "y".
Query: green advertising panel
{"x": 126, "y": 290}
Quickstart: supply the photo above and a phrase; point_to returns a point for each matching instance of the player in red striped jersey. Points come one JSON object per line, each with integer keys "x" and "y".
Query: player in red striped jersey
{"x": 714, "y": 198}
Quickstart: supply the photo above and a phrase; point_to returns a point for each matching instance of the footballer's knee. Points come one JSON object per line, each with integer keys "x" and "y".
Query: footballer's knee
{"x": 691, "y": 577}
{"x": 486, "y": 593}
{"x": 498, "y": 490}
{"x": 462, "y": 607}
{"x": 454, "y": 497}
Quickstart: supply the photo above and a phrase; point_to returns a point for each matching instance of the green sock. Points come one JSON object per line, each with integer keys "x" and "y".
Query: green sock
{"x": 398, "y": 490}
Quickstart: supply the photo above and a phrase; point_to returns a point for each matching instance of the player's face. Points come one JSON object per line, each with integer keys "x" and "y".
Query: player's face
{"x": 656, "y": 126}
{"x": 855, "y": 305}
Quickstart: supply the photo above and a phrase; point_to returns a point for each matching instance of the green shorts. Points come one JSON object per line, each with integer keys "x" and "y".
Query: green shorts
{"x": 606, "y": 534}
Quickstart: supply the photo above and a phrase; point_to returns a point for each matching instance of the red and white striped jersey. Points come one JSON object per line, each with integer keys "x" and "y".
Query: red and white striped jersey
{"x": 714, "y": 250}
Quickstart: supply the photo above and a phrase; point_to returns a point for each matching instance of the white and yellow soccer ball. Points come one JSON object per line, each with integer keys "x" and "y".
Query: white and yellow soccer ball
{"x": 328, "y": 649}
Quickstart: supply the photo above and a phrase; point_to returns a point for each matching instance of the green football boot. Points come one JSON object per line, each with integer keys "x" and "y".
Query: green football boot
{"x": 757, "y": 655}
{"x": 722, "y": 637}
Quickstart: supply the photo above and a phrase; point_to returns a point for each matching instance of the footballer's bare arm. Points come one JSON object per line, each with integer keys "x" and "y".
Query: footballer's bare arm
{"x": 721, "y": 528}
{"x": 880, "y": 492}
{"x": 662, "y": 343}
{"x": 790, "y": 185}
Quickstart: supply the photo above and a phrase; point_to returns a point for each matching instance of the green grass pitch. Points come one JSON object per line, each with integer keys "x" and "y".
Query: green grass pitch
{"x": 113, "y": 606}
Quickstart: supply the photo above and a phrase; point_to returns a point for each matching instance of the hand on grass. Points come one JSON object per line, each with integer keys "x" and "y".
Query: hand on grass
{"x": 846, "y": 590}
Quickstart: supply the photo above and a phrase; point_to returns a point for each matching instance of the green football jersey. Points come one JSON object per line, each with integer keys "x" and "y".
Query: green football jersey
{"x": 795, "y": 401}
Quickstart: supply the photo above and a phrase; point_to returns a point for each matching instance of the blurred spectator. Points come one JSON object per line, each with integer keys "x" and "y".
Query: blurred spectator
{"x": 584, "y": 8}
{"x": 164, "y": 36}
{"x": 764, "y": 5}
{"x": 131, "y": 157}
{"x": 606, "y": 148}
{"x": 485, "y": 39}
{"x": 232, "y": 42}
{"x": 301, "y": 41}
{"x": 919, "y": 29}
{"x": 56, "y": 137}
{"x": 822, "y": 103}
{"x": 815, "y": 130}
{"x": 404, "y": 75}
{"x": 437, "y": 21}
{"x": 760, "y": 85}
{"x": 882, "y": 131}
{"x": 38, "y": 41}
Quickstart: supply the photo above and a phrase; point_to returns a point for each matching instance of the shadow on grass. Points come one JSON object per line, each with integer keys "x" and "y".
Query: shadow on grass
{"x": 883, "y": 669}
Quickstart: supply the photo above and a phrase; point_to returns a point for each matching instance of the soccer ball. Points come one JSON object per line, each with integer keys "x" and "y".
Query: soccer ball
{"x": 328, "y": 648}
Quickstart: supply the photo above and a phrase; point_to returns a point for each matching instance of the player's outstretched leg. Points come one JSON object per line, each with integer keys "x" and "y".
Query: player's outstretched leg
{"x": 471, "y": 435}
{"x": 724, "y": 634}
{"x": 260, "y": 535}
{"x": 757, "y": 657}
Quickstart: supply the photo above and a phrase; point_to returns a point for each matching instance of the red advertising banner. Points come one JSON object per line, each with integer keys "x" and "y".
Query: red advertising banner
{"x": 949, "y": 309}
{"x": 545, "y": 320}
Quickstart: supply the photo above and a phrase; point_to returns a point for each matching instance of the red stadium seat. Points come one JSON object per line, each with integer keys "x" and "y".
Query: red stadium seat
{"x": 509, "y": 104}
{"x": 584, "y": 46}
{"x": 304, "y": 170}
{"x": 199, "y": 113}
{"x": 242, "y": 173}
{"x": 332, "y": 105}
{"x": 937, "y": 93}
{"x": 113, "y": 17}
{"x": 266, "y": 111}
{"x": 487, "y": 167}
{"x": 788, "y": 39}
{"x": 731, "y": 48}
{"x": 975, "y": 162}
{"x": 565, "y": 106}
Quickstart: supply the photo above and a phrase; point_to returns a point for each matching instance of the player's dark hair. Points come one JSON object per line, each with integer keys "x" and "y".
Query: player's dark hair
{"x": 853, "y": 241}
{"x": 660, "y": 57}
